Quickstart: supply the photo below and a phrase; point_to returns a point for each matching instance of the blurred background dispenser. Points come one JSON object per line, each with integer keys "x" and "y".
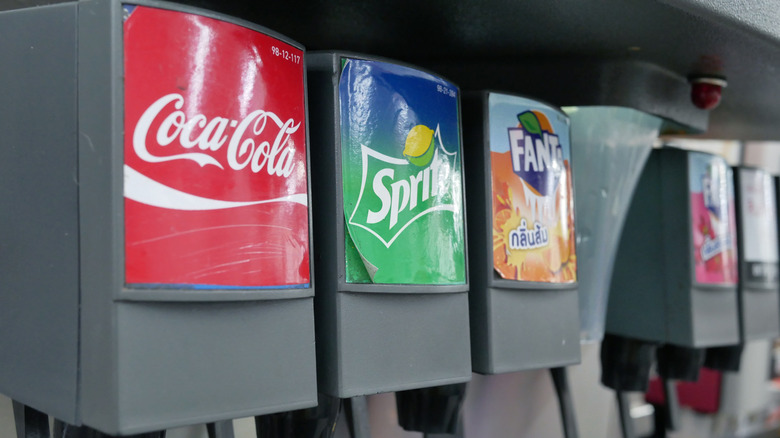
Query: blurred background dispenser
{"x": 759, "y": 309}
{"x": 160, "y": 272}
{"x": 674, "y": 285}
{"x": 758, "y": 254}
{"x": 392, "y": 303}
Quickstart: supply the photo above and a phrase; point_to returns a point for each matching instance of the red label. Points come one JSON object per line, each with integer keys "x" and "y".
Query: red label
{"x": 215, "y": 179}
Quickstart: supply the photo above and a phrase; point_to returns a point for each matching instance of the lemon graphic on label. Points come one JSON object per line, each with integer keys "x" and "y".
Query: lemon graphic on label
{"x": 419, "y": 145}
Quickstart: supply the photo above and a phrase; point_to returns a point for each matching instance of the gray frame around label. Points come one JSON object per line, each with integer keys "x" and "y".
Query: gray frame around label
{"x": 92, "y": 162}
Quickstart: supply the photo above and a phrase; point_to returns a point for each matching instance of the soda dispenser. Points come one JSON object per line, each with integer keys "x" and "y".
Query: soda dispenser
{"x": 155, "y": 239}
{"x": 758, "y": 263}
{"x": 674, "y": 285}
{"x": 675, "y": 277}
{"x": 758, "y": 281}
{"x": 392, "y": 307}
{"x": 524, "y": 307}
{"x": 758, "y": 254}
{"x": 523, "y": 297}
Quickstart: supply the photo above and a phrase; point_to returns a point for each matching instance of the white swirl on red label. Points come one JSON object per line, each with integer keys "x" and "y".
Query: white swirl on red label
{"x": 242, "y": 149}
{"x": 199, "y": 136}
{"x": 141, "y": 188}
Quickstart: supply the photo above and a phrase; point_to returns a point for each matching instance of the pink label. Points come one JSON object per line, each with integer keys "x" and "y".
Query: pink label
{"x": 215, "y": 178}
{"x": 713, "y": 219}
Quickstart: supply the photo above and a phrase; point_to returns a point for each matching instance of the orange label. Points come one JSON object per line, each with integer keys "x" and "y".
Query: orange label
{"x": 533, "y": 206}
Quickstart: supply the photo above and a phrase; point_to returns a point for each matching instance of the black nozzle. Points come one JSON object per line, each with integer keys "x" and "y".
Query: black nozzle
{"x": 723, "y": 358}
{"x": 625, "y": 363}
{"x": 65, "y": 430}
{"x": 431, "y": 410}
{"x": 676, "y": 363}
{"x": 316, "y": 422}
{"x": 30, "y": 422}
{"x": 679, "y": 363}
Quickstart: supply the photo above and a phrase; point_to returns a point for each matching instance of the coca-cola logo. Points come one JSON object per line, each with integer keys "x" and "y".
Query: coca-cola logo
{"x": 260, "y": 141}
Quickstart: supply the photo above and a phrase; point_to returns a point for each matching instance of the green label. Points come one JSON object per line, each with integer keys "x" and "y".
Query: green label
{"x": 403, "y": 196}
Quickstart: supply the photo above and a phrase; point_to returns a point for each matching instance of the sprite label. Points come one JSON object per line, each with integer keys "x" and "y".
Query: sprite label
{"x": 401, "y": 176}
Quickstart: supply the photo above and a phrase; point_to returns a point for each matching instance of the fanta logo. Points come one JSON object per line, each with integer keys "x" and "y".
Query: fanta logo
{"x": 198, "y": 135}
{"x": 395, "y": 192}
{"x": 537, "y": 155}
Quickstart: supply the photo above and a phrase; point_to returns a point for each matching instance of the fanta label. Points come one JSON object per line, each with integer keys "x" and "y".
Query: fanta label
{"x": 402, "y": 187}
{"x": 532, "y": 203}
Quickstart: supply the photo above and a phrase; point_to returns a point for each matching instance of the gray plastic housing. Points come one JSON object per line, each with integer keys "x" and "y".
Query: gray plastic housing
{"x": 654, "y": 296}
{"x": 759, "y": 301}
{"x": 75, "y": 342}
{"x": 515, "y": 325}
{"x": 371, "y": 338}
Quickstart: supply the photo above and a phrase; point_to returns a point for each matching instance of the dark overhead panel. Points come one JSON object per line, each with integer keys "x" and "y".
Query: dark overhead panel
{"x": 738, "y": 40}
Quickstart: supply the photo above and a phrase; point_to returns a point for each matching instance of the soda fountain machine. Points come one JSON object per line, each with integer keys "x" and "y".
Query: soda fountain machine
{"x": 674, "y": 284}
{"x": 155, "y": 269}
{"x": 523, "y": 297}
{"x": 392, "y": 307}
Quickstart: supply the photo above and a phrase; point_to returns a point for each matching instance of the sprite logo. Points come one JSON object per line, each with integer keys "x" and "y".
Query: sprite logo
{"x": 397, "y": 191}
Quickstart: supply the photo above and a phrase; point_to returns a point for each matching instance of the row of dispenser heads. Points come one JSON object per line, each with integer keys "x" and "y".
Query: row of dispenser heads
{"x": 235, "y": 199}
{"x": 695, "y": 276}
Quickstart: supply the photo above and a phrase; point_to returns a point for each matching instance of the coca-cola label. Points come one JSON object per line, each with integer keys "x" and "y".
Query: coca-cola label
{"x": 215, "y": 178}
